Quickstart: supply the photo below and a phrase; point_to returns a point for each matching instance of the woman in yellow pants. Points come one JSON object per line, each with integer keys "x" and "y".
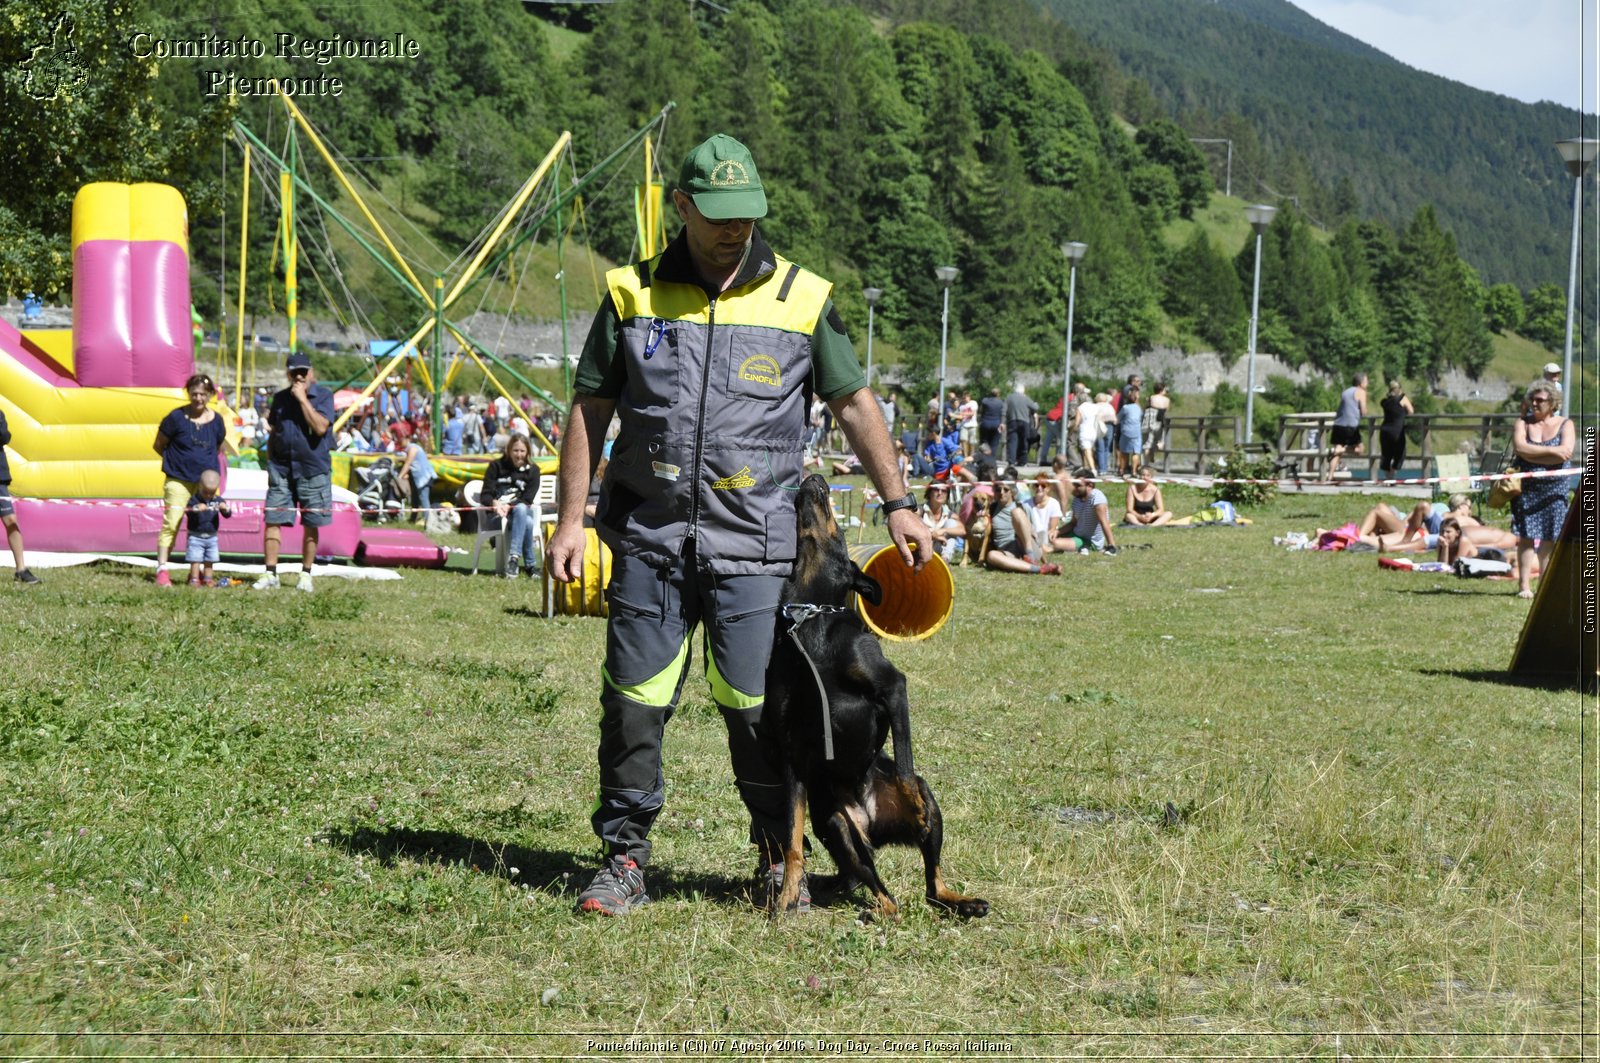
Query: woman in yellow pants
{"x": 188, "y": 441}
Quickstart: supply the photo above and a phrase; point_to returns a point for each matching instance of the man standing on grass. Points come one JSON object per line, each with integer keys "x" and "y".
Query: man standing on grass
{"x": 708, "y": 354}
{"x": 1020, "y": 412}
{"x": 299, "y": 468}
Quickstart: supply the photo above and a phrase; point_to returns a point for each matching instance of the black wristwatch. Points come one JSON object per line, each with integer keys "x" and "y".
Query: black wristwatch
{"x": 894, "y": 505}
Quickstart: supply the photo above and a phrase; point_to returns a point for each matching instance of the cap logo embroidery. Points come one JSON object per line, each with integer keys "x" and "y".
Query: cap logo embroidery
{"x": 761, "y": 369}
{"x": 729, "y": 173}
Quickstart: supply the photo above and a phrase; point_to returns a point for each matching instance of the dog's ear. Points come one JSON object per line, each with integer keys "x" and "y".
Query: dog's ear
{"x": 865, "y": 585}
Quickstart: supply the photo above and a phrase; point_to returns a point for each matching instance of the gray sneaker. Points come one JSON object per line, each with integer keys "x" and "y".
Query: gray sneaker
{"x": 269, "y": 582}
{"x": 617, "y": 889}
{"x": 774, "y": 883}
{"x": 513, "y": 566}
{"x": 25, "y": 576}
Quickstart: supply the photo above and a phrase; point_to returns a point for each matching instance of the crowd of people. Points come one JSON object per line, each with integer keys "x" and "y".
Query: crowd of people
{"x": 1109, "y": 432}
{"x": 396, "y": 415}
{"x": 1010, "y": 525}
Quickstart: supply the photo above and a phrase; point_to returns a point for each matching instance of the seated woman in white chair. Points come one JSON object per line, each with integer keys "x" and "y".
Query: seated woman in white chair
{"x": 510, "y": 486}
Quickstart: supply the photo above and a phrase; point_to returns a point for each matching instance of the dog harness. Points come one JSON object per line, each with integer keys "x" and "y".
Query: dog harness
{"x": 798, "y": 614}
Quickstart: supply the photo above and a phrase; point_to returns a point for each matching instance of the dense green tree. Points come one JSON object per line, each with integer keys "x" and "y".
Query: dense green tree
{"x": 1055, "y": 128}
{"x": 1010, "y": 292}
{"x": 937, "y": 77}
{"x": 1298, "y": 281}
{"x": 742, "y": 91}
{"x": 1164, "y": 143}
{"x": 78, "y": 108}
{"x": 1353, "y": 338}
{"x": 1546, "y": 319}
{"x": 1156, "y": 191}
{"x": 1503, "y": 309}
{"x": 1204, "y": 295}
{"x": 1408, "y": 331}
{"x": 1451, "y": 290}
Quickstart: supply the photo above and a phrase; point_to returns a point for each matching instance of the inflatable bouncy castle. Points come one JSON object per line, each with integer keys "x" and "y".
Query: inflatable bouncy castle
{"x": 83, "y": 403}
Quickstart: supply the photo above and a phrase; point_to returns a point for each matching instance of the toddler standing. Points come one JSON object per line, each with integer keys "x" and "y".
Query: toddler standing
{"x": 206, "y": 510}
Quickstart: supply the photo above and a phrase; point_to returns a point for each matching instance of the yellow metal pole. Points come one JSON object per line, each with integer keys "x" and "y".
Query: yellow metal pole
{"x": 291, "y": 254}
{"x": 489, "y": 374}
{"x": 377, "y": 380}
{"x": 383, "y": 235}
{"x": 244, "y": 251}
{"x": 516, "y": 205}
{"x": 647, "y": 243}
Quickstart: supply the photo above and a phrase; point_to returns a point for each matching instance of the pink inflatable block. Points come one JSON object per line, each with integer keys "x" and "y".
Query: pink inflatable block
{"x": 131, "y": 527}
{"x": 130, "y": 314}
{"x": 399, "y": 548}
{"x": 14, "y": 344}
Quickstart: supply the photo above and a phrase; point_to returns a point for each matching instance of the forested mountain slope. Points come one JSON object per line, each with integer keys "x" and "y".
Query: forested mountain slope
{"x": 1310, "y": 108}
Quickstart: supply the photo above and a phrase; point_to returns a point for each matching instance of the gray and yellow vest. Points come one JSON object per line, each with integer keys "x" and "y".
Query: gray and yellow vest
{"x": 713, "y": 417}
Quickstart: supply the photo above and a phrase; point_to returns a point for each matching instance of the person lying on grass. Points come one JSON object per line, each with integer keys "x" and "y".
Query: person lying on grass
{"x": 1388, "y": 530}
{"x": 1457, "y": 540}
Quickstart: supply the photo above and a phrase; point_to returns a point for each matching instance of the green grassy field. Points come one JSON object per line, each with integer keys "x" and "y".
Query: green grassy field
{"x": 355, "y": 822}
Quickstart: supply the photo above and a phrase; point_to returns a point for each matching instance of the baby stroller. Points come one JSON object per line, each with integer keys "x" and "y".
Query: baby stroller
{"x": 380, "y": 491}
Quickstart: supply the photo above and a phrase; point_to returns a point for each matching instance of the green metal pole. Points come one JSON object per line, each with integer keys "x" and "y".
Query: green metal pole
{"x": 493, "y": 263}
{"x": 561, "y": 281}
{"x": 305, "y": 187}
{"x": 438, "y": 360}
{"x": 511, "y": 370}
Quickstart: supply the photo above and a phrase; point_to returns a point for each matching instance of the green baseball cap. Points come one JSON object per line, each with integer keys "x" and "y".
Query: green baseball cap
{"x": 720, "y": 176}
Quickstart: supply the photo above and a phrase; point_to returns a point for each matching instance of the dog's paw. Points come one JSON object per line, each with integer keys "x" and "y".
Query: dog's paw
{"x": 965, "y": 907}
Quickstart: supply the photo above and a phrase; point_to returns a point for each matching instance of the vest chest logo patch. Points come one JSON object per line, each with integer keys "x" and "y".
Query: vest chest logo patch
{"x": 761, "y": 369}
{"x": 742, "y": 478}
{"x": 665, "y": 470}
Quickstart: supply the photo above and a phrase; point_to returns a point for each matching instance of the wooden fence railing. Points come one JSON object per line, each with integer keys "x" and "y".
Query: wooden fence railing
{"x": 1303, "y": 438}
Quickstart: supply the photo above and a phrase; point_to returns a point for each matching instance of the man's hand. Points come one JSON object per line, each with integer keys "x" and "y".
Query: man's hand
{"x": 298, "y": 388}
{"x": 565, "y": 552}
{"x": 911, "y": 537}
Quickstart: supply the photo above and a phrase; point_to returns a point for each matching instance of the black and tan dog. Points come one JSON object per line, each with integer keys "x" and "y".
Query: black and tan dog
{"x": 832, "y": 698}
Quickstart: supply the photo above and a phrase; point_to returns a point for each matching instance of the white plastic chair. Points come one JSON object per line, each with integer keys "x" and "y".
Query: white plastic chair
{"x": 490, "y": 528}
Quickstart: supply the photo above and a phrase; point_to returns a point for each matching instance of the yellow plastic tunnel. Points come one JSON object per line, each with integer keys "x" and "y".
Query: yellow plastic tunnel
{"x": 915, "y": 604}
{"x": 586, "y": 595}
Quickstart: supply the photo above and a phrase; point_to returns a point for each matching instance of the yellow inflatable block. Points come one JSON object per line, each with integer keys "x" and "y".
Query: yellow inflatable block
{"x": 107, "y": 210}
{"x": 56, "y": 342}
{"x": 70, "y": 442}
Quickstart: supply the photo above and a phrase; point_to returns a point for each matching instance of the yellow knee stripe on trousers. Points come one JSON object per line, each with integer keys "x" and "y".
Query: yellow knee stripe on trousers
{"x": 174, "y": 497}
{"x": 659, "y": 688}
{"x": 723, "y": 692}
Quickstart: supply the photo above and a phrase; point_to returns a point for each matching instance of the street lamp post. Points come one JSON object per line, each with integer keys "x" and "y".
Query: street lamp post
{"x": 1073, "y": 250}
{"x": 871, "y": 295}
{"x": 1259, "y": 216}
{"x": 947, "y": 276}
{"x": 1577, "y": 154}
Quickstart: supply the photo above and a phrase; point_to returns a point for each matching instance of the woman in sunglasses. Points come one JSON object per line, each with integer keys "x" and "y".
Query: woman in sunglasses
{"x": 1541, "y": 440}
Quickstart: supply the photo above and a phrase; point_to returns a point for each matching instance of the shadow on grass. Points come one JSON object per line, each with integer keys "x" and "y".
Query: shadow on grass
{"x": 525, "y": 612}
{"x": 553, "y": 871}
{"x": 1547, "y": 681}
